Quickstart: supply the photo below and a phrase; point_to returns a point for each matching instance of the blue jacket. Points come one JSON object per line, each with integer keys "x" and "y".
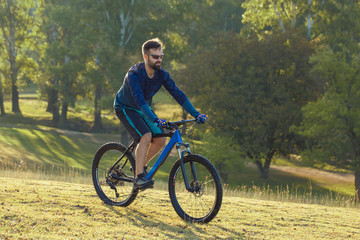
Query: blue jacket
{"x": 138, "y": 89}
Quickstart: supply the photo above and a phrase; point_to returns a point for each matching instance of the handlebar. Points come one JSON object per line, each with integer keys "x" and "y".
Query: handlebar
{"x": 177, "y": 124}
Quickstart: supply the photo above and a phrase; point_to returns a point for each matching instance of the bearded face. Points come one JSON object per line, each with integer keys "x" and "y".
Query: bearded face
{"x": 154, "y": 58}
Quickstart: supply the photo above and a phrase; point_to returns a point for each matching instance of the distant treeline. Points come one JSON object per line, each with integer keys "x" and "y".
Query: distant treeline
{"x": 275, "y": 77}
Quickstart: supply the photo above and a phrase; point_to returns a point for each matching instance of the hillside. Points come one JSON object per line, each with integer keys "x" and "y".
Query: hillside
{"x": 28, "y": 142}
{"x": 37, "y": 209}
{"x": 34, "y": 148}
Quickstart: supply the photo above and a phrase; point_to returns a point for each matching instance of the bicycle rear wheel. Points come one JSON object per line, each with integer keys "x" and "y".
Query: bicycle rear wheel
{"x": 203, "y": 201}
{"x": 114, "y": 187}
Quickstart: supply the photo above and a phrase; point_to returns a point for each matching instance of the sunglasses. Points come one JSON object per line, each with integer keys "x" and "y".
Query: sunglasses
{"x": 156, "y": 57}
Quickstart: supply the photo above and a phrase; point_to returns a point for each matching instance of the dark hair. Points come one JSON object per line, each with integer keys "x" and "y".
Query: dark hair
{"x": 151, "y": 43}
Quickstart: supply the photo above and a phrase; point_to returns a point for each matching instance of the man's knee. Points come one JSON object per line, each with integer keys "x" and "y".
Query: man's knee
{"x": 146, "y": 138}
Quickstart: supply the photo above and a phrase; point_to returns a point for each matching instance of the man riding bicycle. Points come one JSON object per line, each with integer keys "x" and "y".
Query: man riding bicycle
{"x": 132, "y": 106}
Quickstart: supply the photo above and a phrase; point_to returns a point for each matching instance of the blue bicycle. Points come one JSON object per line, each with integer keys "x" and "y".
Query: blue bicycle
{"x": 195, "y": 186}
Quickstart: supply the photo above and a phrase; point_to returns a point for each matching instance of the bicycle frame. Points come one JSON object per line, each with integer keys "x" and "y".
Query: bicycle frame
{"x": 174, "y": 140}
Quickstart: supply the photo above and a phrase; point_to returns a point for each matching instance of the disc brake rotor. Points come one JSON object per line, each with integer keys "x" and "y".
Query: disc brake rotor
{"x": 197, "y": 187}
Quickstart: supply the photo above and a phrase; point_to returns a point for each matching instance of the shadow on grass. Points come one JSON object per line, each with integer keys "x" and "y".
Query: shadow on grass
{"x": 47, "y": 148}
{"x": 73, "y": 123}
{"x": 188, "y": 230}
{"x": 17, "y": 119}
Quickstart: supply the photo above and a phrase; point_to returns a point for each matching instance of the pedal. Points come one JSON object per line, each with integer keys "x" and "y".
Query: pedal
{"x": 140, "y": 189}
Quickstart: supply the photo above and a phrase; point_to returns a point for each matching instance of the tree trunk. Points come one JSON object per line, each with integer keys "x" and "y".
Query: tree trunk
{"x": 357, "y": 168}
{"x": 56, "y": 115}
{"x": 97, "y": 115}
{"x": 55, "y": 107}
{"x": 14, "y": 88}
{"x": 2, "y": 108}
{"x": 63, "y": 117}
{"x": 50, "y": 99}
{"x": 53, "y": 104}
{"x": 264, "y": 170}
{"x": 355, "y": 142}
{"x": 13, "y": 69}
{"x": 357, "y": 182}
{"x": 53, "y": 92}
{"x": 15, "y": 98}
{"x": 268, "y": 159}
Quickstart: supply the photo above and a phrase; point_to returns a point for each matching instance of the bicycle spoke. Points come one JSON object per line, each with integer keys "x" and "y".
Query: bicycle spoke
{"x": 205, "y": 183}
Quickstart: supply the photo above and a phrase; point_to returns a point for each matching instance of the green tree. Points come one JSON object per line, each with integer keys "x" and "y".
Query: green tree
{"x": 209, "y": 20}
{"x": 263, "y": 16}
{"x": 111, "y": 25}
{"x": 49, "y": 84}
{"x": 253, "y": 92}
{"x": 19, "y": 28}
{"x": 66, "y": 56}
{"x": 339, "y": 27}
{"x": 332, "y": 122}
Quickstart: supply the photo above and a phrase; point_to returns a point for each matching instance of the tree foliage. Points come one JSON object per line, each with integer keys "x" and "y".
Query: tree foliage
{"x": 245, "y": 63}
{"x": 264, "y": 16}
{"x": 331, "y": 122}
{"x": 253, "y": 91}
{"x": 19, "y": 27}
{"x": 66, "y": 55}
{"x": 92, "y": 49}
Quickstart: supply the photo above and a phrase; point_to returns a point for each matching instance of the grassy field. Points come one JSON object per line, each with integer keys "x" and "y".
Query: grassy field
{"x": 39, "y": 148}
{"x": 46, "y": 190}
{"x": 38, "y": 209}
{"x": 28, "y": 141}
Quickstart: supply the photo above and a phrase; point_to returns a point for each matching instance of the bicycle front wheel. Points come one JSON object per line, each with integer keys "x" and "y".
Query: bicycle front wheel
{"x": 114, "y": 183}
{"x": 202, "y": 201}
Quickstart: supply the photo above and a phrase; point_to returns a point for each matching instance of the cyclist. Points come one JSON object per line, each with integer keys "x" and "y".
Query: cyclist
{"x": 132, "y": 106}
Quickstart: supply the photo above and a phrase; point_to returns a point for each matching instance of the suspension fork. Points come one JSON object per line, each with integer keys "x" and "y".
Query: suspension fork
{"x": 183, "y": 154}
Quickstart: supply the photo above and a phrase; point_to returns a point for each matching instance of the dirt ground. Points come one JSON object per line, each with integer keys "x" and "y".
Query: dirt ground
{"x": 322, "y": 175}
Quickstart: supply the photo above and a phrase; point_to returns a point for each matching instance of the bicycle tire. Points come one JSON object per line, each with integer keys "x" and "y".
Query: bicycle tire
{"x": 202, "y": 205}
{"x": 104, "y": 182}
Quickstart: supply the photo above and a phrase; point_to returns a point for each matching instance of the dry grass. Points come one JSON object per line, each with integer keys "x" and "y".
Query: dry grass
{"x": 41, "y": 201}
{"x": 38, "y": 209}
